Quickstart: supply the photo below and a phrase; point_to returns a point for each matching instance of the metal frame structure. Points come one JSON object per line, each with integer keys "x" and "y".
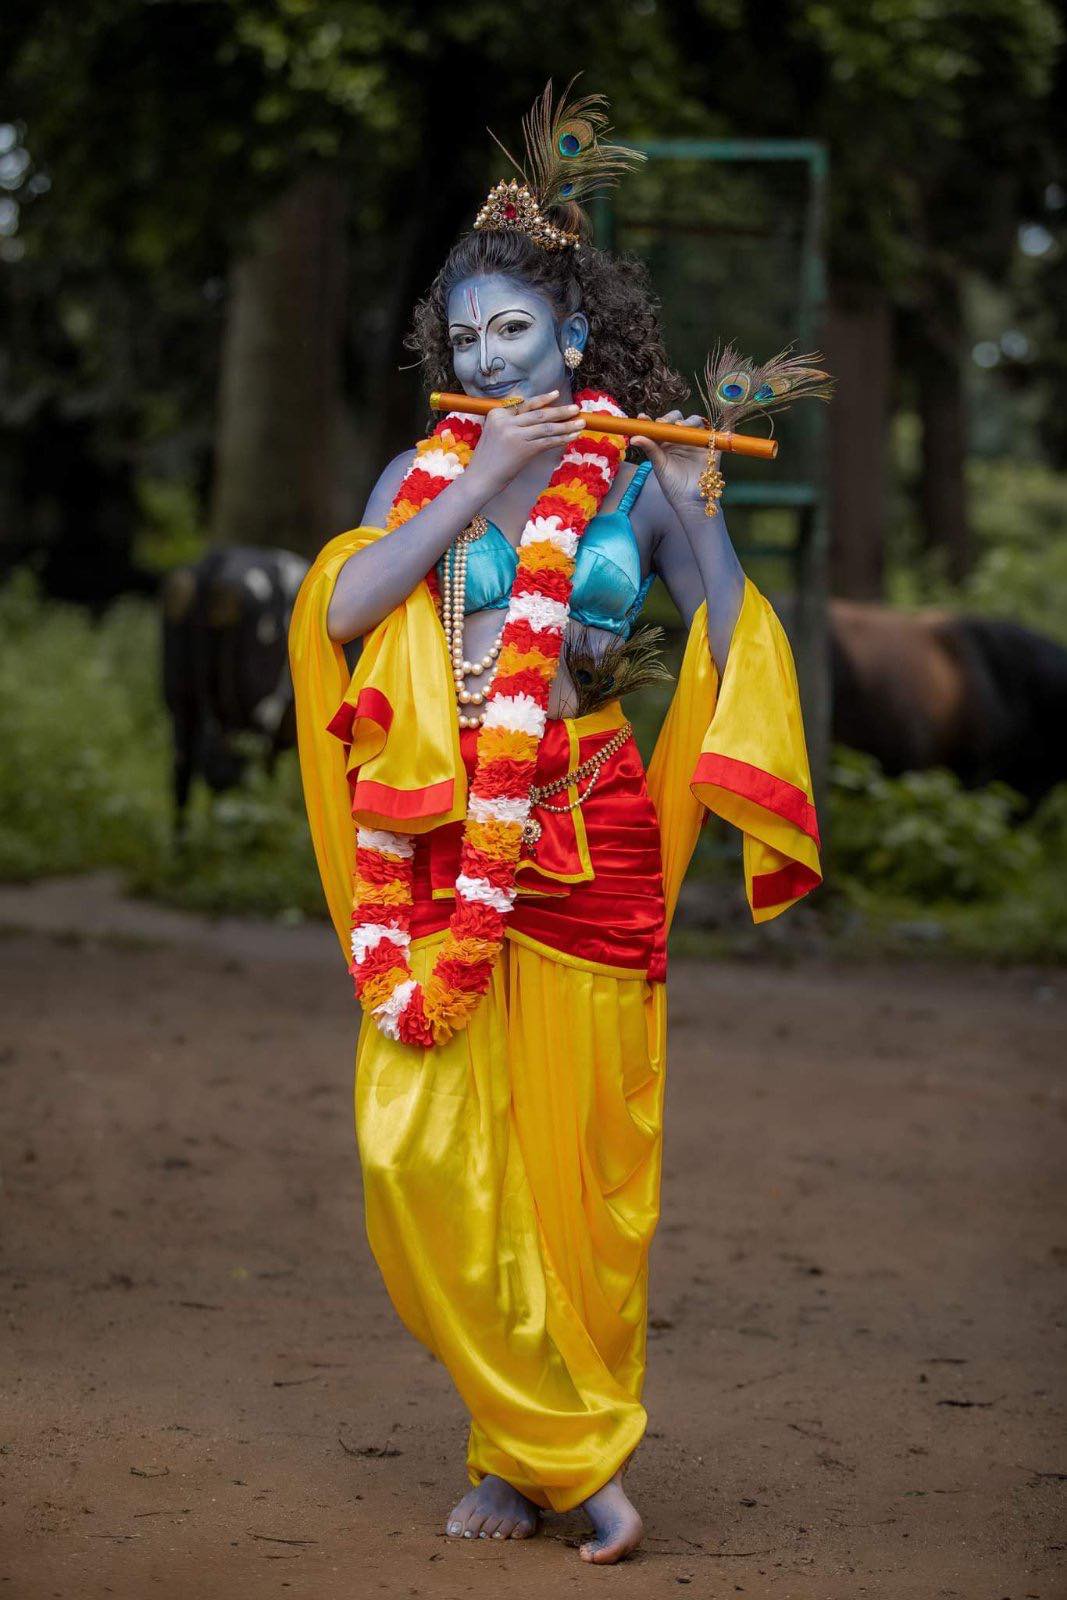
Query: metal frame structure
{"x": 806, "y": 498}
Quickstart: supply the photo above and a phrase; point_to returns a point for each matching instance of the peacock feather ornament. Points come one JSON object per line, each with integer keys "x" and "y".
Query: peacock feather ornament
{"x": 566, "y": 162}
{"x": 734, "y": 389}
{"x": 602, "y": 671}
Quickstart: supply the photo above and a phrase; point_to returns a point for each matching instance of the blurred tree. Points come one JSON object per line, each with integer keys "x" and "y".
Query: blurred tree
{"x": 399, "y": 97}
{"x": 938, "y": 120}
{"x": 220, "y": 145}
{"x": 113, "y": 281}
{"x": 1048, "y": 294}
{"x": 281, "y": 396}
{"x": 231, "y": 180}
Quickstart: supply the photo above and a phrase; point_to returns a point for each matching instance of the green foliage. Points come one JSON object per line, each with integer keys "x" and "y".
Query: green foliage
{"x": 85, "y": 782}
{"x": 935, "y": 114}
{"x": 1019, "y": 511}
{"x": 83, "y": 740}
{"x": 169, "y": 531}
{"x": 247, "y": 851}
{"x": 923, "y": 860}
{"x": 924, "y": 835}
{"x": 1027, "y": 925}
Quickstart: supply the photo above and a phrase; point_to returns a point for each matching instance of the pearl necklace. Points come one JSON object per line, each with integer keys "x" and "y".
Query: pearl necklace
{"x": 453, "y": 618}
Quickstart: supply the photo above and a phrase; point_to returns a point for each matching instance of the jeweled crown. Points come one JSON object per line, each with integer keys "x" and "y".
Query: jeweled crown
{"x": 565, "y": 162}
{"x": 514, "y": 205}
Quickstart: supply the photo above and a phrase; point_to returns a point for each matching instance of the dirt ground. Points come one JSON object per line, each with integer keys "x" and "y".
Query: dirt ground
{"x": 856, "y": 1367}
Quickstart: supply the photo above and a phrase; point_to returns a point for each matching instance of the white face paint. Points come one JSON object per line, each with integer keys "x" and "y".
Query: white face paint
{"x": 505, "y": 338}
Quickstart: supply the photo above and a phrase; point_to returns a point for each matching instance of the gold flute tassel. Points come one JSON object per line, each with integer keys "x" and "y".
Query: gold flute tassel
{"x": 711, "y": 484}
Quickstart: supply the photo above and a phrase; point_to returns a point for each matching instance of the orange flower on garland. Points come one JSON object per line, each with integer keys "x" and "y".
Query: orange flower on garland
{"x": 516, "y": 710}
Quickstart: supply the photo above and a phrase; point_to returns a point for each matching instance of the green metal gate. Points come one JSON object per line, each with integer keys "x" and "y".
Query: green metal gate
{"x": 733, "y": 232}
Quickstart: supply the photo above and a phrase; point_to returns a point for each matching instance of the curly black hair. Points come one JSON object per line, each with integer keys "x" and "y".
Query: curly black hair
{"x": 624, "y": 353}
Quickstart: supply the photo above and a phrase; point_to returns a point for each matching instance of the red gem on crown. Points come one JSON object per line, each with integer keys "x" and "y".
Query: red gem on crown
{"x": 514, "y": 205}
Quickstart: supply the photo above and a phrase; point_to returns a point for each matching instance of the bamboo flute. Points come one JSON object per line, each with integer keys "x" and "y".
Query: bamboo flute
{"x": 740, "y": 444}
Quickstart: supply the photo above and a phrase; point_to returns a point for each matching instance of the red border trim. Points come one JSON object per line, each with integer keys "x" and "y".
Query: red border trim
{"x": 402, "y": 803}
{"x": 752, "y": 783}
{"x": 341, "y": 723}
{"x": 788, "y": 883}
{"x": 370, "y": 703}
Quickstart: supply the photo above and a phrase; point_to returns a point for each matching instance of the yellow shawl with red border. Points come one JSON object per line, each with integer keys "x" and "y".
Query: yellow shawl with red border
{"x": 736, "y": 747}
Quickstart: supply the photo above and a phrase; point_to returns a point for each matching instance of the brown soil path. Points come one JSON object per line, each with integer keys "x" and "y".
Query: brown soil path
{"x": 856, "y": 1359}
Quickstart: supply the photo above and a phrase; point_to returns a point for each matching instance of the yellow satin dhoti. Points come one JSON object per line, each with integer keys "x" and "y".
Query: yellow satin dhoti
{"x": 512, "y": 1176}
{"x": 511, "y": 1189}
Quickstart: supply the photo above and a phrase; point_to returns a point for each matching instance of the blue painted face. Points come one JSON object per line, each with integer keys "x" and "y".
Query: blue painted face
{"x": 505, "y": 338}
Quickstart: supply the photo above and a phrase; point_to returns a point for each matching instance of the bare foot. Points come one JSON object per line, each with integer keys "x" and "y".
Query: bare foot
{"x": 617, "y": 1528}
{"x": 493, "y": 1510}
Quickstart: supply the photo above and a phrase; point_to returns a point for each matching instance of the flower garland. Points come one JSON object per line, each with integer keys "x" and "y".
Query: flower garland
{"x": 516, "y": 710}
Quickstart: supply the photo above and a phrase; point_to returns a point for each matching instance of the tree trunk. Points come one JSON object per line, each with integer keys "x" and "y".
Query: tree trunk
{"x": 858, "y": 353}
{"x": 279, "y": 422}
{"x": 439, "y": 206}
{"x": 399, "y": 414}
{"x": 936, "y": 363}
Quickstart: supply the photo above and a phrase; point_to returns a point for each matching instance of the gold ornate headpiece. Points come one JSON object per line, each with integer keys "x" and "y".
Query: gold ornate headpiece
{"x": 565, "y": 163}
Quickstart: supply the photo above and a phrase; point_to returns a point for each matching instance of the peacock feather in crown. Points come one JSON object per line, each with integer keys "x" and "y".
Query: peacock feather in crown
{"x": 566, "y": 161}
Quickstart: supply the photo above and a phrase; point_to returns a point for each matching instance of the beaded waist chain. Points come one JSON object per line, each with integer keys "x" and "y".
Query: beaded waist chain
{"x": 590, "y": 768}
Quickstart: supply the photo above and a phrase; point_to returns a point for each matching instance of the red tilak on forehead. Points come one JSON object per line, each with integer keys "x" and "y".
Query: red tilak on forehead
{"x": 473, "y": 307}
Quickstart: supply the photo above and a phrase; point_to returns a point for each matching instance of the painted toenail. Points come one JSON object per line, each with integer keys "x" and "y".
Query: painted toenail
{"x": 467, "y": 1533}
{"x": 453, "y": 1527}
{"x": 498, "y": 1536}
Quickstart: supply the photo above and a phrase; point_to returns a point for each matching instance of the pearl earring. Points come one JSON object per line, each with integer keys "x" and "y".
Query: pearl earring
{"x": 572, "y": 356}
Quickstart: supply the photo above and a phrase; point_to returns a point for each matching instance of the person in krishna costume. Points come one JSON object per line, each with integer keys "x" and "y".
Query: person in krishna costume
{"x": 500, "y": 867}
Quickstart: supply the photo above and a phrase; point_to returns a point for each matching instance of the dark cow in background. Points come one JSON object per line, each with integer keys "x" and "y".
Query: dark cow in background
{"x": 226, "y": 662}
{"x": 983, "y": 697}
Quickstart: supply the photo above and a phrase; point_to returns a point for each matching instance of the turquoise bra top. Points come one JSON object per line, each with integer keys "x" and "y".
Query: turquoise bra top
{"x": 608, "y": 591}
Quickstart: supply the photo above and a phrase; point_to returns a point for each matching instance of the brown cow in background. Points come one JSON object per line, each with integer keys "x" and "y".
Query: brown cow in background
{"x": 983, "y": 697}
